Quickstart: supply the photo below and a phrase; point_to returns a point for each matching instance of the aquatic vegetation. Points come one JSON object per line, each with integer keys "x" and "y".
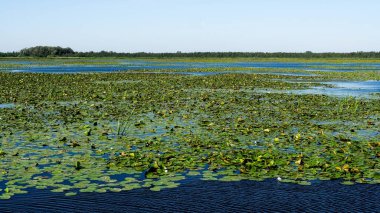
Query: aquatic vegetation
{"x": 100, "y": 132}
{"x": 122, "y": 126}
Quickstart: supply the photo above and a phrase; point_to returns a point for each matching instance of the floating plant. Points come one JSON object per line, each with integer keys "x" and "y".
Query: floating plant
{"x": 100, "y": 132}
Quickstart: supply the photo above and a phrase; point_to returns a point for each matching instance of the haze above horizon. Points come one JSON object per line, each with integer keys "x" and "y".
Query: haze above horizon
{"x": 192, "y": 25}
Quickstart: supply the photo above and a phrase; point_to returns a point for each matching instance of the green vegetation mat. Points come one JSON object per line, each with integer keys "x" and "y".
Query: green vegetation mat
{"x": 103, "y": 132}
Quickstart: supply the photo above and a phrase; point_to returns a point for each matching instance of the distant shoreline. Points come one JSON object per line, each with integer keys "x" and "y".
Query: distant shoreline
{"x": 46, "y": 52}
{"x": 203, "y": 59}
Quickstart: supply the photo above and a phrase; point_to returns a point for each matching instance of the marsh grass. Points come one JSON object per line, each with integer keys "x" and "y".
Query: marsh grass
{"x": 348, "y": 104}
{"x": 125, "y": 124}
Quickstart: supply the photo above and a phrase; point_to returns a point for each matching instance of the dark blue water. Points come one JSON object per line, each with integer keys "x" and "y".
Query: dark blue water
{"x": 126, "y": 65}
{"x": 210, "y": 196}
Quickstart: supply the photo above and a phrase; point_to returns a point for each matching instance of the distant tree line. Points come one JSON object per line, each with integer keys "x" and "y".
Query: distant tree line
{"x": 45, "y": 51}
{"x": 9, "y": 54}
{"x": 231, "y": 55}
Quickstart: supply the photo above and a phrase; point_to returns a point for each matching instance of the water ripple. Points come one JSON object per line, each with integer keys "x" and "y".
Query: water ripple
{"x": 209, "y": 196}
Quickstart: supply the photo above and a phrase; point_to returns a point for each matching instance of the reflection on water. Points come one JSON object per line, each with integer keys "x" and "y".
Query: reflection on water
{"x": 344, "y": 89}
{"x": 338, "y": 88}
{"x": 374, "y": 86}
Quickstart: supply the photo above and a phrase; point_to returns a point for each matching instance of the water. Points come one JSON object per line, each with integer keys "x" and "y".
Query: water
{"x": 344, "y": 89}
{"x": 69, "y": 69}
{"x": 231, "y": 72}
{"x": 209, "y": 196}
{"x": 7, "y": 106}
{"x": 16, "y": 62}
{"x": 126, "y": 65}
{"x": 338, "y": 88}
{"x": 204, "y": 196}
{"x": 370, "y": 86}
{"x": 342, "y": 69}
{"x": 186, "y": 73}
{"x": 299, "y": 74}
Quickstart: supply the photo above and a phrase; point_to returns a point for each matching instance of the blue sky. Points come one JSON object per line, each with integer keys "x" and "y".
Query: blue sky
{"x": 192, "y": 25}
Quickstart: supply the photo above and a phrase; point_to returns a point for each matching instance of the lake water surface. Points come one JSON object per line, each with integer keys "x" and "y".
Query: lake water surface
{"x": 210, "y": 196}
{"x": 125, "y": 65}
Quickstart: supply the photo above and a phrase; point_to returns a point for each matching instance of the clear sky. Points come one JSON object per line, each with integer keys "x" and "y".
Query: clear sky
{"x": 192, "y": 25}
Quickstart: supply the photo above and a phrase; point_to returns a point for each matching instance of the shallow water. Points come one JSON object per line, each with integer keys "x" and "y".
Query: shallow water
{"x": 231, "y": 72}
{"x": 298, "y": 74}
{"x": 5, "y": 106}
{"x": 209, "y": 196}
{"x": 345, "y": 89}
{"x": 69, "y": 69}
{"x": 373, "y": 86}
{"x": 186, "y": 73}
{"x": 16, "y": 62}
{"x": 339, "y": 88}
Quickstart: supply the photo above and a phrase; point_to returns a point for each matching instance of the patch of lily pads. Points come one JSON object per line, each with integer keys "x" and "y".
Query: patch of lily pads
{"x": 112, "y": 132}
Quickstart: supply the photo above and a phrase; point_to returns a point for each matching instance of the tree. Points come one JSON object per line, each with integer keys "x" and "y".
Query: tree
{"x": 45, "y": 51}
